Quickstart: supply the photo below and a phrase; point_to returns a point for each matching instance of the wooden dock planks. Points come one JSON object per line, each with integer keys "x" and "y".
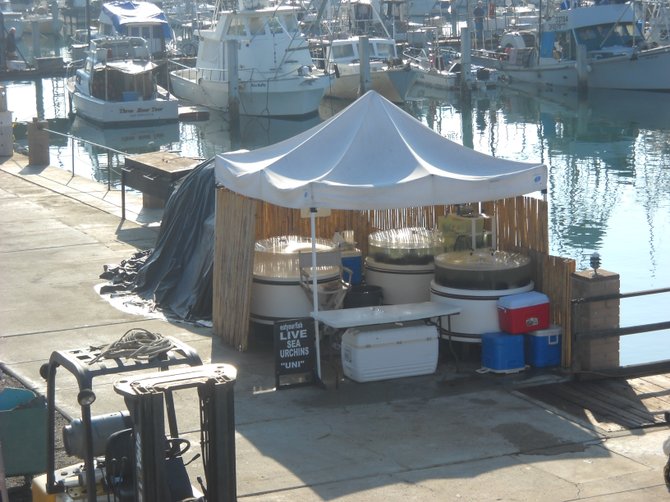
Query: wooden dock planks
{"x": 612, "y": 404}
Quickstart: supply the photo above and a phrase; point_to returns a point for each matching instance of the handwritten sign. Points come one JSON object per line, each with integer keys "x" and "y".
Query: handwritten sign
{"x": 295, "y": 348}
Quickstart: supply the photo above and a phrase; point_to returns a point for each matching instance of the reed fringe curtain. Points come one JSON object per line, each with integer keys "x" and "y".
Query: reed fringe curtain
{"x": 522, "y": 225}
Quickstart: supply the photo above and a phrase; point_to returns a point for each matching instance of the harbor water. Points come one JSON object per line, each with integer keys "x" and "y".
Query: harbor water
{"x": 608, "y": 158}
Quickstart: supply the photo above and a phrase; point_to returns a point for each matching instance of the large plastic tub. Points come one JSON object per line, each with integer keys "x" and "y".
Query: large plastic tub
{"x": 384, "y": 352}
{"x": 400, "y": 283}
{"x": 23, "y": 425}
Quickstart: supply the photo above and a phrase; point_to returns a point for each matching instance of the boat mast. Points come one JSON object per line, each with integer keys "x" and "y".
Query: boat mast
{"x": 539, "y": 32}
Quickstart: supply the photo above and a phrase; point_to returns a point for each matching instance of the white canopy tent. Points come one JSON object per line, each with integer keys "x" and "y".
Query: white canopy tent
{"x": 372, "y": 155}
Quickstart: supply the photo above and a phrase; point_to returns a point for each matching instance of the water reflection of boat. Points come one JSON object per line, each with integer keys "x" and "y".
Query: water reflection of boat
{"x": 593, "y": 147}
{"x": 642, "y": 109}
{"x": 256, "y": 132}
{"x": 128, "y": 139}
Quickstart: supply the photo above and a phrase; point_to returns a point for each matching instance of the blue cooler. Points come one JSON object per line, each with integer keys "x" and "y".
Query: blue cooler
{"x": 353, "y": 260}
{"x": 543, "y": 347}
{"x": 503, "y": 352}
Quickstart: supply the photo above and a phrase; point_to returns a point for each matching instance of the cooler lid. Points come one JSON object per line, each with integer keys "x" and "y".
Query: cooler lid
{"x": 520, "y": 300}
{"x": 388, "y": 334}
{"x": 550, "y": 331}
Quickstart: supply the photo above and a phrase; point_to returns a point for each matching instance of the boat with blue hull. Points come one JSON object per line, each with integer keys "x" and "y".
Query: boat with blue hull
{"x": 594, "y": 47}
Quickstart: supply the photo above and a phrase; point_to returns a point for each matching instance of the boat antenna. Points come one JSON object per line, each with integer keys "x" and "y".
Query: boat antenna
{"x": 539, "y": 31}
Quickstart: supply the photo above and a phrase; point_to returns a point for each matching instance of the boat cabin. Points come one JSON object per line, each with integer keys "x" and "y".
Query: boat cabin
{"x": 605, "y": 31}
{"x": 137, "y": 19}
{"x": 346, "y": 51}
{"x": 118, "y": 69}
{"x": 262, "y": 34}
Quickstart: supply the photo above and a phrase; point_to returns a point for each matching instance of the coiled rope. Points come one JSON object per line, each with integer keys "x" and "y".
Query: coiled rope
{"x": 136, "y": 343}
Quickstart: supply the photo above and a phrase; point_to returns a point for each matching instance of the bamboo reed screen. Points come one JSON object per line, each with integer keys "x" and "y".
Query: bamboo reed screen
{"x": 233, "y": 268}
{"x": 521, "y": 225}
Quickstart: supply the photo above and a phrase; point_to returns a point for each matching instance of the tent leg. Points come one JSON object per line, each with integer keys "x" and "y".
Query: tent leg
{"x": 315, "y": 292}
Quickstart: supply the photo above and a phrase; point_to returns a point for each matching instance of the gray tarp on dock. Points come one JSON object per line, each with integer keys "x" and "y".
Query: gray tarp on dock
{"x": 177, "y": 273}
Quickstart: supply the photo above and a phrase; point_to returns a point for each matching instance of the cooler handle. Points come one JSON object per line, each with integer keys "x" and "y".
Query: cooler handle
{"x": 553, "y": 339}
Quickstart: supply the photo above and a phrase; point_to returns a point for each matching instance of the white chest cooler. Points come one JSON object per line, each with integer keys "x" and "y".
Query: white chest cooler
{"x": 389, "y": 351}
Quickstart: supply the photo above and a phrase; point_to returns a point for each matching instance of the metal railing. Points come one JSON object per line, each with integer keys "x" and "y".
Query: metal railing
{"x": 110, "y": 169}
{"x": 195, "y": 74}
{"x": 119, "y": 170}
{"x": 581, "y": 336}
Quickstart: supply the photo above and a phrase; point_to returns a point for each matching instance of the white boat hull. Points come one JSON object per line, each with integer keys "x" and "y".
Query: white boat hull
{"x": 393, "y": 84}
{"x": 564, "y": 75}
{"x": 299, "y": 96}
{"x": 438, "y": 80}
{"x": 649, "y": 71}
{"x": 118, "y": 113}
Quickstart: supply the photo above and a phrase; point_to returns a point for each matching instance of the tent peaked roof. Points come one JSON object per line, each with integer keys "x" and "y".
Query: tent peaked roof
{"x": 373, "y": 155}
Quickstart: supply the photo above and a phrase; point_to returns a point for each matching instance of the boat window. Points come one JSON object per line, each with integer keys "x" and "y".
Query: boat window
{"x": 158, "y": 32}
{"x": 256, "y": 26}
{"x": 342, "y": 51}
{"x": 589, "y": 37}
{"x": 290, "y": 23}
{"x": 275, "y": 26}
{"x": 385, "y": 50}
{"x": 135, "y": 31}
{"x": 237, "y": 28}
{"x": 627, "y": 32}
{"x": 606, "y": 35}
{"x": 146, "y": 32}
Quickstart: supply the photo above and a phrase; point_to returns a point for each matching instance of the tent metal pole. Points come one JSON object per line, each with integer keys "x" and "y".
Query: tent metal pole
{"x": 315, "y": 291}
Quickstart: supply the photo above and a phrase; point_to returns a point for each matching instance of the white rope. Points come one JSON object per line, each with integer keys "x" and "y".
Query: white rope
{"x": 136, "y": 343}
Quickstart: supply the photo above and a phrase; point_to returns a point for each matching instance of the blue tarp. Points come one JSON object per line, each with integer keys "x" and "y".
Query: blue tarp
{"x": 177, "y": 275}
{"x": 122, "y": 13}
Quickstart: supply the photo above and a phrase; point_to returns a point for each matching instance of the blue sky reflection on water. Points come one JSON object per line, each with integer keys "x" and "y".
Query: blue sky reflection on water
{"x": 608, "y": 159}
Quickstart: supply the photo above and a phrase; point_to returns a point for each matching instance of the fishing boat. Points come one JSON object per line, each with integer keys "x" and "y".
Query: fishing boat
{"x": 117, "y": 85}
{"x": 275, "y": 72}
{"x": 442, "y": 69}
{"x": 595, "y": 47}
{"x": 390, "y": 75}
{"x": 137, "y": 19}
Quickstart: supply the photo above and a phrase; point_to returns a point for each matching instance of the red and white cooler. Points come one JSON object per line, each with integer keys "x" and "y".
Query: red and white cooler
{"x": 523, "y": 312}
